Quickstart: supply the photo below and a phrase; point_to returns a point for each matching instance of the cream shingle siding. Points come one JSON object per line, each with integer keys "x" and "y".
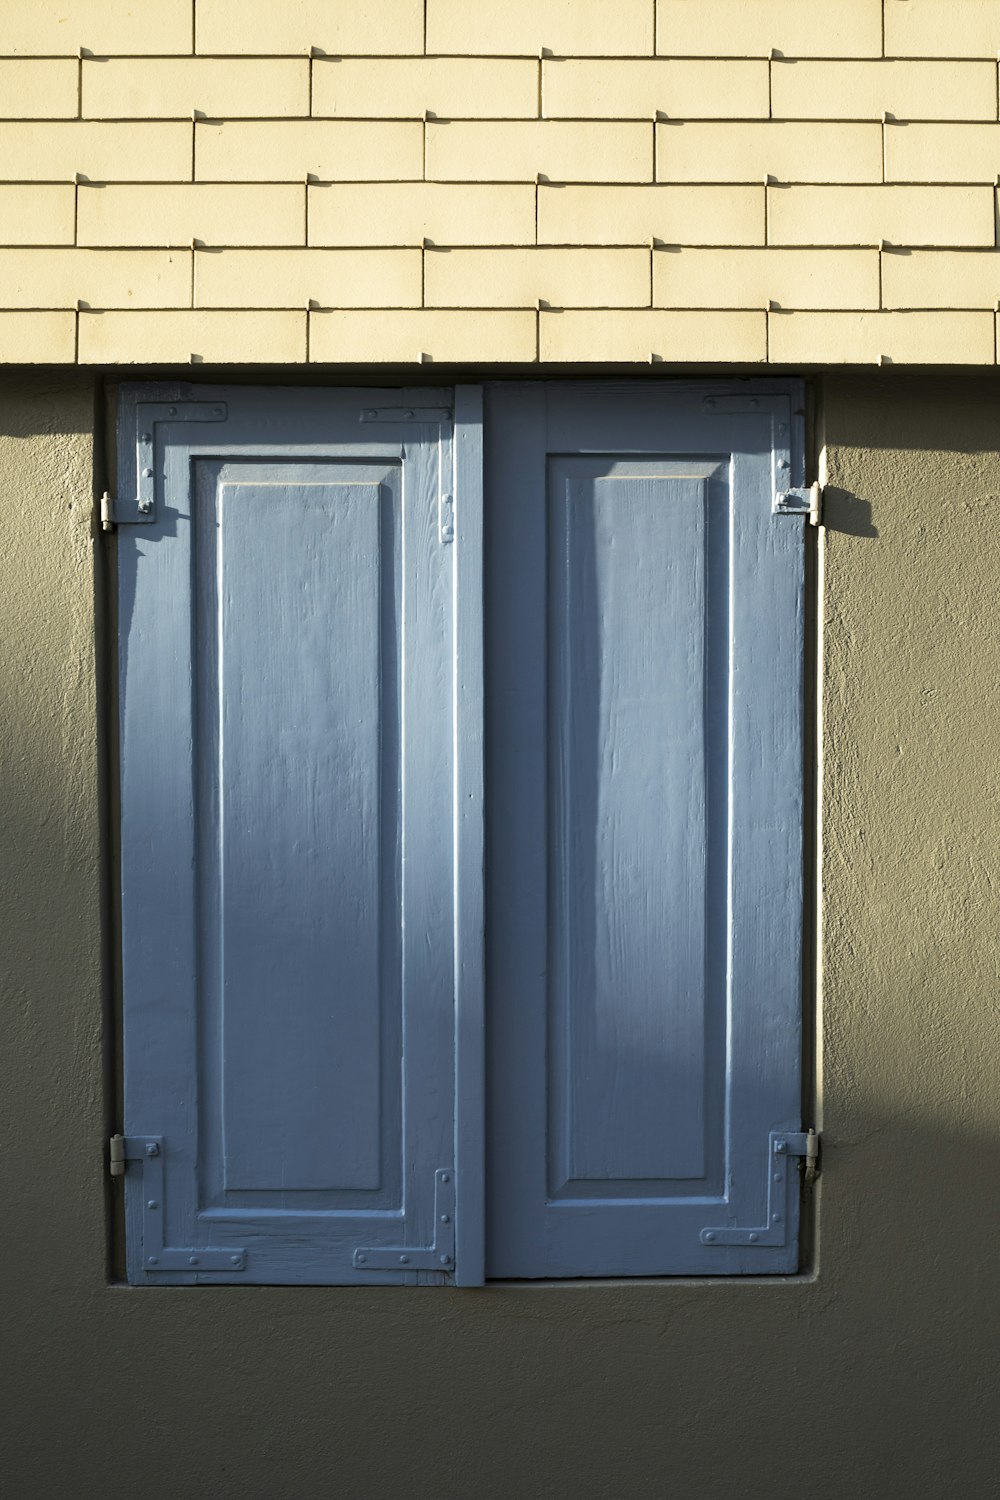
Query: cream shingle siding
{"x": 395, "y": 181}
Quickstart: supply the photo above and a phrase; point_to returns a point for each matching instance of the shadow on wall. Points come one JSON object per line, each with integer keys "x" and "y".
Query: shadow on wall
{"x": 847, "y": 513}
{"x": 910, "y": 411}
{"x": 51, "y": 409}
{"x": 676, "y": 1388}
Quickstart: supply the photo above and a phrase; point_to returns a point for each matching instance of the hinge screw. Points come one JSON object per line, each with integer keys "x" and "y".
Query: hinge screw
{"x": 446, "y": 1260}
{"x": 709, "y": 1238}
{"x": 147, "y": 473}
{"x": 151, "y": 1260}
{"x": 152, "y": 1203}
{"x": 152, "y": 1149}
{"x": 753, "y": 1239}
{"x": 236, "y": 1260}
{"x": 445, "y": 1177}
{"x": 780, "y": 1147}
{"x": 146, "y": 506}
{"x": 446, "y": 1218}
{"x": 361, "y": 1259}
{"x": 147, "y": 437}
{"x": 192, "y": 1260}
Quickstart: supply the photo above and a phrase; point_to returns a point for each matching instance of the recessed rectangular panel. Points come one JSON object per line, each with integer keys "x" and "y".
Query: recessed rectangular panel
{"x": 307, "y": 947}
{"x": 627, "y": 769}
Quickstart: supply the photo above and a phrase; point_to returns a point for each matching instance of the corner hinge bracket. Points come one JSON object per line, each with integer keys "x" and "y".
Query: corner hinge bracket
{"x": 805, "y": 501}
{"x": 140, "y": 510}
{"x": 157, "y": 1257}
{"x": 437, "y": 1257}
{"x": 780, "y": 1183}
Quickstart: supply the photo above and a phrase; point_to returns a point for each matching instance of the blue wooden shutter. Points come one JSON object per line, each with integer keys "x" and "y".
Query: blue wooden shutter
{"x": 644, "y": 829}
{"x": 298, "y": 628}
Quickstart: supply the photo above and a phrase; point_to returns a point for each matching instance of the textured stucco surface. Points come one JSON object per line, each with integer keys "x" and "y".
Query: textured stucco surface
{"x": 877, "y": 1377}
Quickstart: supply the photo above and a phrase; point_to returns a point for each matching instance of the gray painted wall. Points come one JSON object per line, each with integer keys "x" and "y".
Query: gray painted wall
{"x": 874, "y": 1377}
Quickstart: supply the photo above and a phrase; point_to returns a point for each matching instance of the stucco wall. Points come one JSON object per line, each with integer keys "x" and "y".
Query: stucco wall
{"x": 876, "y": 1377}
{"x": 343, "y": 181}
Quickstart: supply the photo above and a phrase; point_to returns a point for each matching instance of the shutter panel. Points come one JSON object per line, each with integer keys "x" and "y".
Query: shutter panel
{"x": 288, "y": 670}
{"x": 644, "y": 821}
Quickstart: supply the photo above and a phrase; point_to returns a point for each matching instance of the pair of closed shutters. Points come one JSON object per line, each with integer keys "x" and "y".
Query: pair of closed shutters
{"x": 461, "y": 845}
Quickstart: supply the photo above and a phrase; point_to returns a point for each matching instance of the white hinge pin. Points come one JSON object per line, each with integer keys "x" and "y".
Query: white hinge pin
{"x": 116, "y": 1155}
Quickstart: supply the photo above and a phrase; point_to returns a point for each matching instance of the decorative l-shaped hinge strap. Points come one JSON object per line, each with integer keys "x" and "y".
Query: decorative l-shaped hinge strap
{"x": 396, "y": 414}
{"x": 140, "y": 510}
{"x": 783, "y": 1144}
{"x": 157, "y": 1257}
{"x": 437, "y": 1257}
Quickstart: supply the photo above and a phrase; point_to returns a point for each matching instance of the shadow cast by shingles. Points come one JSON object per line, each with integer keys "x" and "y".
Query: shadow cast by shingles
{"x": 912, "y": 410}
{"x": 42, "y": 415}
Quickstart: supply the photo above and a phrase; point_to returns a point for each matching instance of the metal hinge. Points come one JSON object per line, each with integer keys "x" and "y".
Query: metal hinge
{"x": 804, "y": 1143}
{"x": 141, "y": 509}
{"x": 156, "y": 1256}
{"x": 405, "y": 414}
{"x": 780, "y": 1183}
{"x": 437, "y": 1257}
{"x": 805, "y": 501}
{"x": 125, "y": 512}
